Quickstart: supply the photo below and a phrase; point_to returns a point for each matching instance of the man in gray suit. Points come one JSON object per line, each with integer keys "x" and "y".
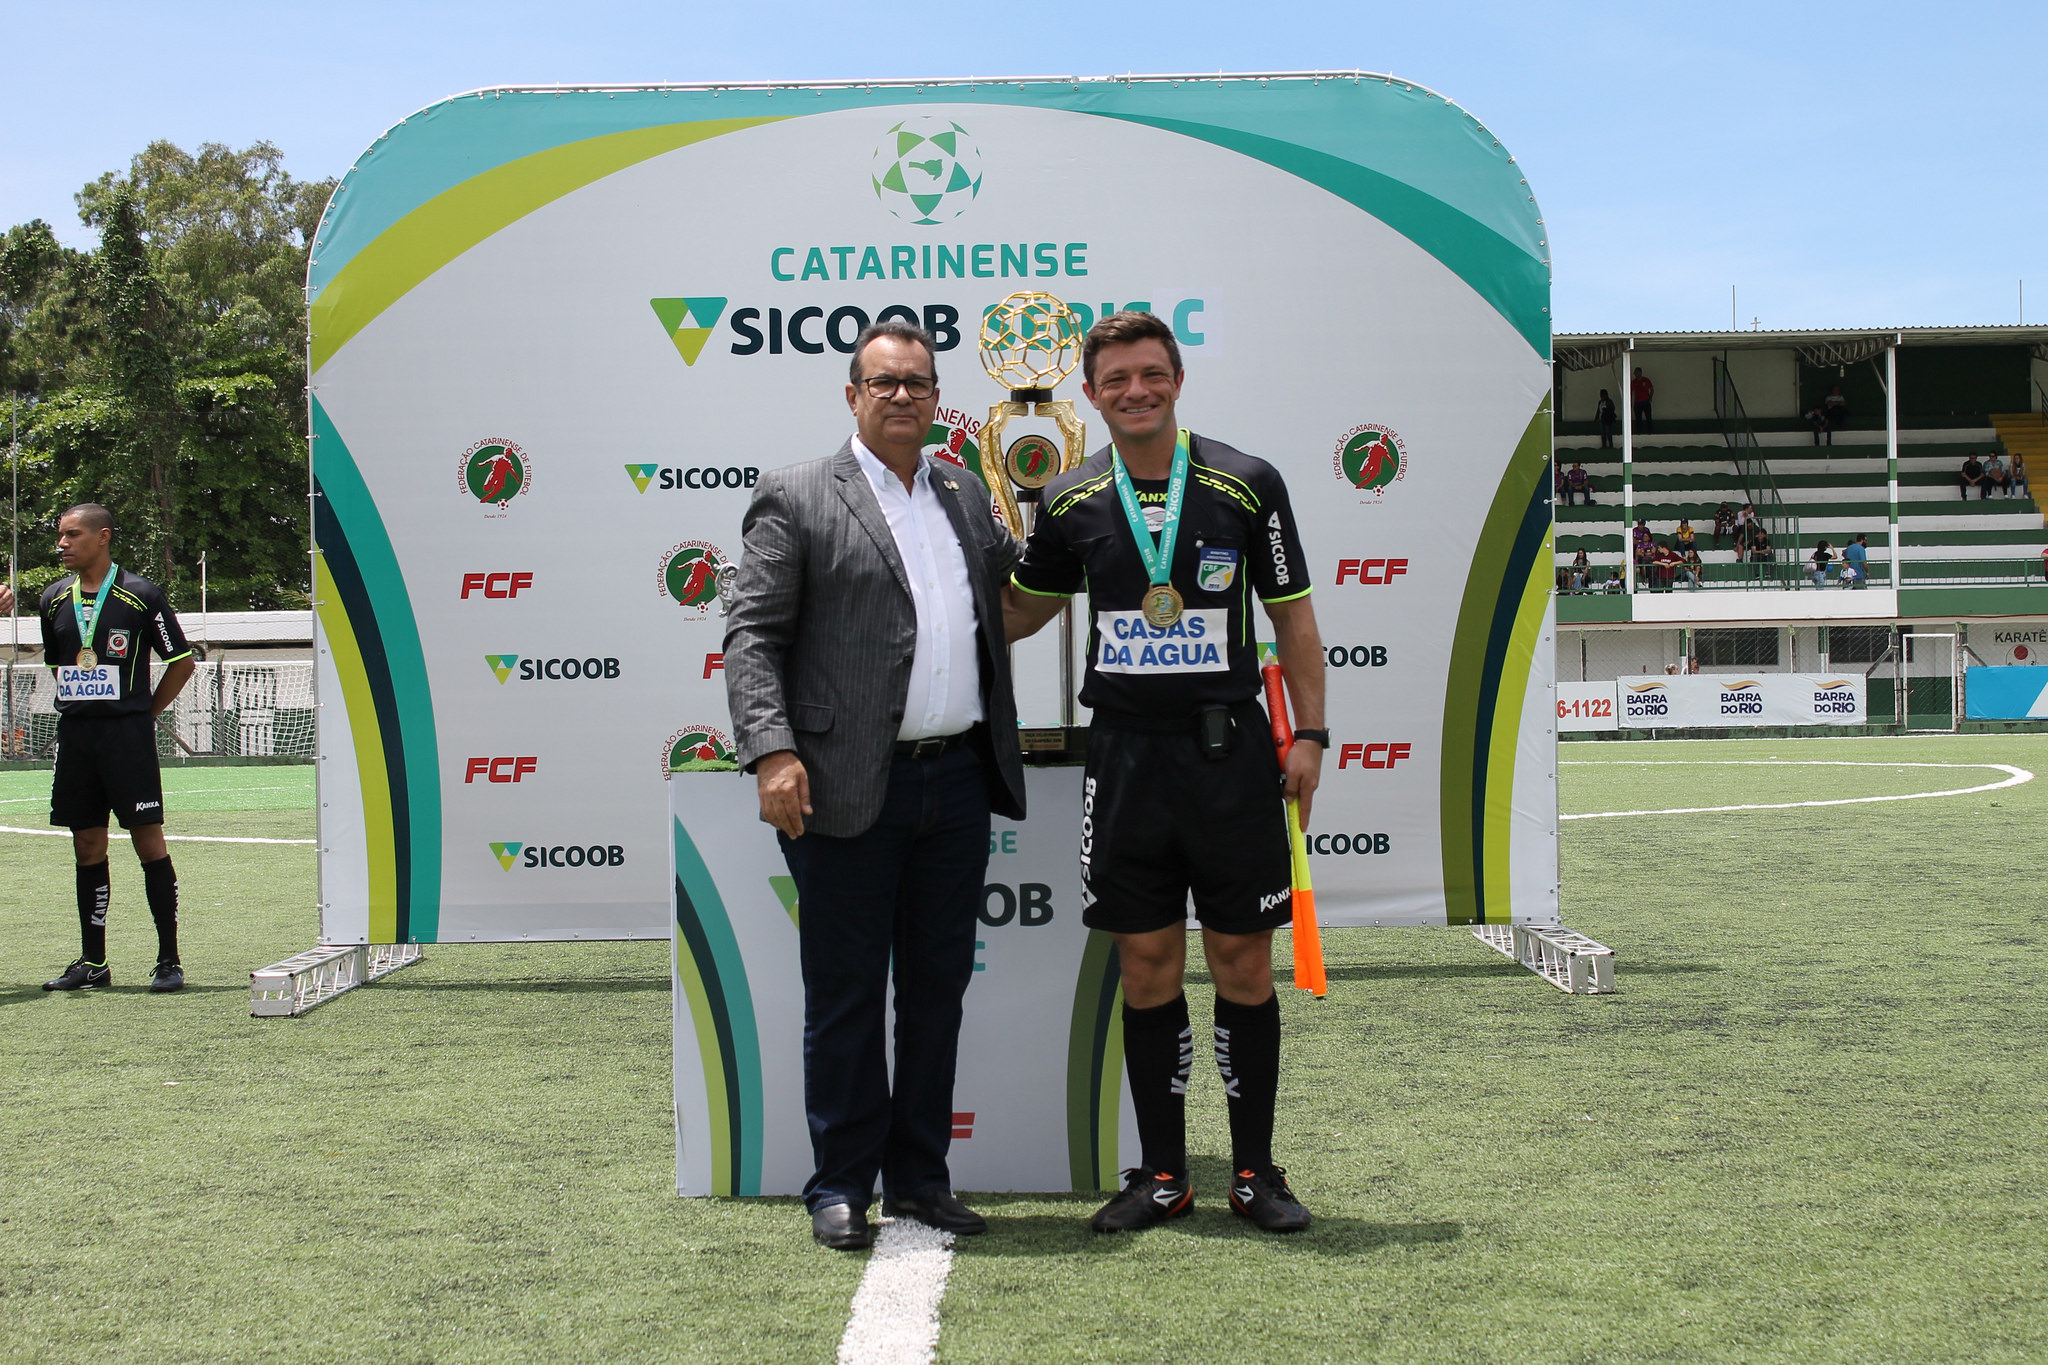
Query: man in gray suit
{"x": 870, "y": 696}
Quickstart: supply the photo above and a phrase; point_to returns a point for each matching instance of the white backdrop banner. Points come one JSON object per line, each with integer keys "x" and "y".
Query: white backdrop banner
{"x": 1756, "y": 699}
{"x": 1040, "y": 1101}
{"x": 557, "y": 336}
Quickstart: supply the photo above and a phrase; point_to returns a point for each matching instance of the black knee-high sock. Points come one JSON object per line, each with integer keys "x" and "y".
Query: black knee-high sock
{"x": 160, "y": 884}
{"x": 93, "y": 890}
{"x": 1159, "y": 1051}
{"x": 1248, "y": 1055}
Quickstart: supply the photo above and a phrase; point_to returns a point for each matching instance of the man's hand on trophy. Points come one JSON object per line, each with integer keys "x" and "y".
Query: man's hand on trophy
{"x": 785, "y": 791}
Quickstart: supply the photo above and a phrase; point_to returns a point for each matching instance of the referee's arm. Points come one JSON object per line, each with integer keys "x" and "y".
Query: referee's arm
{"x": 177, "y": 673}
{"x": 1301, "y": 663}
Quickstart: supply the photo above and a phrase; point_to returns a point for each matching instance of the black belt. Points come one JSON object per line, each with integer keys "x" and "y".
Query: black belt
{"x": 933, "y": 747}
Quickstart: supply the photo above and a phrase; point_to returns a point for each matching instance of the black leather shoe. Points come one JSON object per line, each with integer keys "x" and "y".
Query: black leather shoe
{"x": 937, "y": 1209}
{"x": 169, "y": 977}
{"x": 843, "y": 1228}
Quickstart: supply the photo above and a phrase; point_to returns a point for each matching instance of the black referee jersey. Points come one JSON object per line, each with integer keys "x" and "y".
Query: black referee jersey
{"x": 135, "y": 621}
{"x": 1237, "y": 537}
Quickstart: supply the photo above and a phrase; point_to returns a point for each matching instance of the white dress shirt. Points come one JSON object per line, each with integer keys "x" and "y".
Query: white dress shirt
{"x": 945, "y": 673}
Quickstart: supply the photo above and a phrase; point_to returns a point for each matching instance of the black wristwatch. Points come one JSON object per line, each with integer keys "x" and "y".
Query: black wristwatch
{"x": 1321, "y": 737}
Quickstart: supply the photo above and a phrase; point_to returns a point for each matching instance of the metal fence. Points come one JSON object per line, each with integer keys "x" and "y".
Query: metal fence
{"x": 227, "y": 710}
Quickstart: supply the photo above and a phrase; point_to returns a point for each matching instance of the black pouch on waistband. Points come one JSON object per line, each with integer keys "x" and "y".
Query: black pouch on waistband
{"x": 1214, "y": 731}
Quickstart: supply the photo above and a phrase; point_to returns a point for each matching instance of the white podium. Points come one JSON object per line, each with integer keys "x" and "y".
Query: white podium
{"x": 1040, "y": 1101}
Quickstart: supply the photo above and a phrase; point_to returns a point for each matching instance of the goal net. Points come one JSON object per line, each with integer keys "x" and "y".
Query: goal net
{"x": 227, "y": 710}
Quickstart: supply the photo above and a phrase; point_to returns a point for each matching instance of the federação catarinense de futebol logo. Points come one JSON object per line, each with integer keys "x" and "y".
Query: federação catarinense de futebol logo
{"x": 689, "y": 575}
{"x": 494, "y": 471}
{"x": 1371, "y": 458}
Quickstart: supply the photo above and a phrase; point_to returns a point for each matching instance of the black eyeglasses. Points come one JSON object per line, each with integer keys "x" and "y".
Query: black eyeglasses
{"x": 885, "y": 385}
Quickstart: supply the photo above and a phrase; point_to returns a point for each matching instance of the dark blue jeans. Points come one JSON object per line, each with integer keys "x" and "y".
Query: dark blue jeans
{"x": 910, "y": 888}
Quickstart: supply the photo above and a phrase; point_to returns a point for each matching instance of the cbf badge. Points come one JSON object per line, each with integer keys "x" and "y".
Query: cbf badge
{"x": 1216, "y": 569}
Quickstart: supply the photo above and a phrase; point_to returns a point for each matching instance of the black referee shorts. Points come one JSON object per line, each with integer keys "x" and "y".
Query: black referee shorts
{"x": 1161, "y": 820}
{"x": 106, "y": 763}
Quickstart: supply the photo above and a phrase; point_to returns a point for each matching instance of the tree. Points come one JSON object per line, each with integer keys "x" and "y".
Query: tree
{"x": 165, "y": 372}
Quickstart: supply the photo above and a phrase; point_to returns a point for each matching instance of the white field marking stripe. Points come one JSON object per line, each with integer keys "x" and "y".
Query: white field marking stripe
{"x": 2015, "y": 777}
{"x": 191, "y": 791}
{"x": 896, "y": 1309}
{"x": 173, "y": 838}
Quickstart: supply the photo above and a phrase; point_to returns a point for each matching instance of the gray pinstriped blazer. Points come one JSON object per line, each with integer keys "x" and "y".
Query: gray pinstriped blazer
{"x": 822, "y": 633}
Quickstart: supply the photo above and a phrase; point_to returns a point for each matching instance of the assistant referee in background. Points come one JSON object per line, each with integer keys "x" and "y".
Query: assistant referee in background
{"x": 100, "y": 625}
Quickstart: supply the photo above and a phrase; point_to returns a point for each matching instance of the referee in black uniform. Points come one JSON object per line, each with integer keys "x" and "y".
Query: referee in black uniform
{"x": 100, "y": 625}
{"x": 1171, "y": 535}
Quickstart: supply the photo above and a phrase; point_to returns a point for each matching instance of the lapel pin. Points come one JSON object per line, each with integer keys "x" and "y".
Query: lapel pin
{"x": 954, "y": 486}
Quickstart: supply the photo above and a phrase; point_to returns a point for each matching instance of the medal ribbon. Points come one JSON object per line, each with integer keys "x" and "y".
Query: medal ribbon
{"x": 1158, "y": 556}
{"x": 88, "y": 619}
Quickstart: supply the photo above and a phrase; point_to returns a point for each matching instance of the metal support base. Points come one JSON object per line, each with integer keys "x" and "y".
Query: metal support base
{"x": 314, "y": 977}
{"x": 1568, "y": 960}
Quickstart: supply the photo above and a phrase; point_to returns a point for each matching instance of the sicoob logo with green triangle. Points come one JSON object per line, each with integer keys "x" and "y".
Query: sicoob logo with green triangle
{"x": 688, "y": 323}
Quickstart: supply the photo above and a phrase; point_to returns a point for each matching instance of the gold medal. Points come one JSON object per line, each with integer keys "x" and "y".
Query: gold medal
{"x": 88, "y": 659}
{"x": 1161, "y": 605}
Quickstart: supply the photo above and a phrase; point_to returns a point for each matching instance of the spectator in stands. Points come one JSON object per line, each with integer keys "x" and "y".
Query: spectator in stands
{"x": 2019, "y": 477}
{"x": 1995, "y": 477}
{"x": 1856, "y": 561}
{"x": 1973, "y": 477}
{"x": 1581, "y": 571}
{"x": 1822, "y": 557}
{"x": 1612, "y": 583}
{"x": 1640, "y": 547}
{"x": 1664, "y": 562}
{"x": 1606, "y": 416}
{"x": 1640, "y": 392}
{"x": 1759, "y": 546}
{"x": 1690, "y": 568}
{"x": 1683, "y": 538}
{"x": 1835, "y": 407}
{"x": 1817, "y": 418}
{"x": 1724, "y": 523}
{"x": 1578, "y": 485}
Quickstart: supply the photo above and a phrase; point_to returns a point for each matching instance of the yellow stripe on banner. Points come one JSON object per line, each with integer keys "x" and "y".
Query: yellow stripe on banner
{"x": 1507, "y": 729}
{"x": 457, "y": 219}
{"x": 713, "y": 1067}
{"x": 380, "y": 839}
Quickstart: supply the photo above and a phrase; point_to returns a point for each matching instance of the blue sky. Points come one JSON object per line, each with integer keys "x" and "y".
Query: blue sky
{"x": 1839, "y": 165}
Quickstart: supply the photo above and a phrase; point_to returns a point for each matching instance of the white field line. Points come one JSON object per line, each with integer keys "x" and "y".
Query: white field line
{"x": 896, "y": 1309}
{"x": 2014, "y": 777}
{"x": 173, "y": 838}
{"x": 195, "y": 791}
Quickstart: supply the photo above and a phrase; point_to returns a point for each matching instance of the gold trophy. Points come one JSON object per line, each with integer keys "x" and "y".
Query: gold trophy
{"x": 1029, "y": 342}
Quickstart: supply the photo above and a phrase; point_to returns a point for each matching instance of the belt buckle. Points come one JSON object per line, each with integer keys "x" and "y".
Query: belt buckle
{"x": 929, "y": 747}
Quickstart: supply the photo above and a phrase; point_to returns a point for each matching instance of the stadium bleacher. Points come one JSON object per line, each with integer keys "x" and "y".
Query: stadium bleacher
{"x": 1835, "y": 491}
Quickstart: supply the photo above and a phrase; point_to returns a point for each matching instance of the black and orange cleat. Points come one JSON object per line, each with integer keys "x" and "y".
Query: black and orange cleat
{"x": 1148, "y": 1198}
{"x": 1263, "y": 1197}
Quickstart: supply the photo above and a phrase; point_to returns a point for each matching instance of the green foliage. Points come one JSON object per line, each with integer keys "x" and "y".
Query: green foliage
{"x": 163, "y": 374}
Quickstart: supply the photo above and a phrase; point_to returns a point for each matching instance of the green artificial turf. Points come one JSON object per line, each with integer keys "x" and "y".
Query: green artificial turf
{"x": 1808, "y": 1128}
